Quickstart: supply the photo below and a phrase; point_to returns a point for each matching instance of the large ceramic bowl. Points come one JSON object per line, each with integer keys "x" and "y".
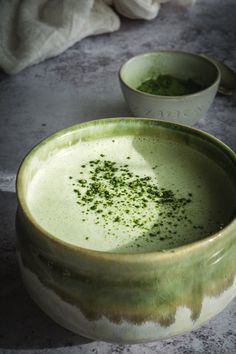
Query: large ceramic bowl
{"x": 187, "y": 109}
{"x": 122, "y": 297}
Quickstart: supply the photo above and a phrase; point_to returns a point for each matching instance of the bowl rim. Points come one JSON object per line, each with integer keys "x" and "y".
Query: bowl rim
{"x": 215, "y": 82}
{"x": 119, "y": 256}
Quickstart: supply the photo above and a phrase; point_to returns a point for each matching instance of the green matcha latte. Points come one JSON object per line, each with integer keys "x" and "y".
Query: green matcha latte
{"x": 130, "y": 194}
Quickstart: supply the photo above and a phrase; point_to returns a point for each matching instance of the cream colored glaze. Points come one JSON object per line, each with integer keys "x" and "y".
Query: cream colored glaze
{"x": 71, "y": 317}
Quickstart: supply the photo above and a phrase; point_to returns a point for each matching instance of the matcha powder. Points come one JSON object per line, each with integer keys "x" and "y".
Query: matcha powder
{"x": 167, "y": 85}
{"x": 117, "y": 196}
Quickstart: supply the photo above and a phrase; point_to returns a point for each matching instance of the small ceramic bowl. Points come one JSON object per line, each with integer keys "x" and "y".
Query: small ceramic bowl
{"x": 187, "y": 109}
{"x": 130, "y": 297}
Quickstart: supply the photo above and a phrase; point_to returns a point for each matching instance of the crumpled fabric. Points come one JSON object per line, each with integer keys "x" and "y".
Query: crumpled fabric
{"x": 32, "y": 31}
{"x": 144, "y": 9}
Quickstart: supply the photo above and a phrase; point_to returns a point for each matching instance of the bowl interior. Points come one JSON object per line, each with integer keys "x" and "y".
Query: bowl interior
{"x": 178, "y": 64}
{"x": 181, "y": 158}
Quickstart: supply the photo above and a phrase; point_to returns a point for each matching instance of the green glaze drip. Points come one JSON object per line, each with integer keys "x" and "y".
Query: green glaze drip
{"x": 137, "y": 298}
{"x": 134, "y": 288}
{"x": 167, "y": 85}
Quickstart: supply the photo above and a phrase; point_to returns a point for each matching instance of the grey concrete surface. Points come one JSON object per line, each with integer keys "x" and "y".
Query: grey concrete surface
{"x": 79, "y": 85}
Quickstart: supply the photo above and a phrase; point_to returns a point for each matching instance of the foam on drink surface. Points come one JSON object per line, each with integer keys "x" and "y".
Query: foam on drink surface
{"x": 130, "y": 194}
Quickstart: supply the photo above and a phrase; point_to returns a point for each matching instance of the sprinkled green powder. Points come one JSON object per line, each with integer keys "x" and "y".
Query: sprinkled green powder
{"x": 117, "y": 195}
{"x": 167, "y": 85}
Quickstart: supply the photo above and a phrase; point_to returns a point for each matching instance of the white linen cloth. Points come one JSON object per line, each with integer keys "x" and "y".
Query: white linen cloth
{"x": 33, "y": 30}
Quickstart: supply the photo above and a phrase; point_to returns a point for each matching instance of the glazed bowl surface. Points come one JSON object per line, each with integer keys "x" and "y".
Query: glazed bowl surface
{"x": 127, "y": 297}
{"x": 186, "y": 109}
